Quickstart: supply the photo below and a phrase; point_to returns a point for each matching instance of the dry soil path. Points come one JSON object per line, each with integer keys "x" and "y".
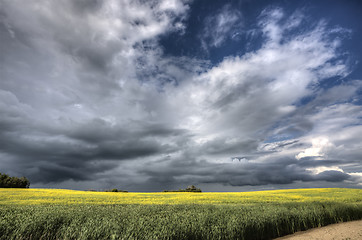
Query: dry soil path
{"x": 339, "y": 231}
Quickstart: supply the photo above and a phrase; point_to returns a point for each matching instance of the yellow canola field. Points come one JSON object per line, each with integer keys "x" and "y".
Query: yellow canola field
{"x": 62, "y": 196}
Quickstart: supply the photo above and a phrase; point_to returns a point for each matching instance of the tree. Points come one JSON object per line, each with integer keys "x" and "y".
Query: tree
{"x": 192, "y": 188}
{"x": 13, "y": 182}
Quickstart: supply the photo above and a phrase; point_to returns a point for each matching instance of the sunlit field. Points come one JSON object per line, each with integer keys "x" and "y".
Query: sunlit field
{"x": 68, "y": 214}
{"x": 60, "y": 196}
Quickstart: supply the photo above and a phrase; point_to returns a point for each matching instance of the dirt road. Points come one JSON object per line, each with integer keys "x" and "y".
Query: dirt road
{"x": 339, "y": 231}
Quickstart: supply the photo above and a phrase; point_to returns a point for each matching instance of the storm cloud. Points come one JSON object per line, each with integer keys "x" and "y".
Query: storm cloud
{"x": 90, "y": 98}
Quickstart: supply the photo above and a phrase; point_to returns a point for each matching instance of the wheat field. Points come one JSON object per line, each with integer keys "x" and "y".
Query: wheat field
{"x": 69, "y": 214}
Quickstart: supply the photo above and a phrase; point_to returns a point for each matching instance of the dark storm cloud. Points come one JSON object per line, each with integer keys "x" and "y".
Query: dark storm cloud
{"x": 225, "y": 146}
{"x": 67, "y": 169}
{"x": 82, "y": 52}
{"x": 277, "y": 171}
{"x": 75, "y": 149}
{"x": 98, "y": 130}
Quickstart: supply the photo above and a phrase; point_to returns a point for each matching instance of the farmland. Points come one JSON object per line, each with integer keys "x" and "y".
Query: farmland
{"x": 67, "y": 214}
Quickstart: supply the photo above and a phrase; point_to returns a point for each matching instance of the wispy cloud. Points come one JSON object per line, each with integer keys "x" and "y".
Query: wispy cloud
{"x": 220, "y": 26}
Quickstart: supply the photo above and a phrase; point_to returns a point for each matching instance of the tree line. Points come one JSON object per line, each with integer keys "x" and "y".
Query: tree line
{"x": 13, "y": 182}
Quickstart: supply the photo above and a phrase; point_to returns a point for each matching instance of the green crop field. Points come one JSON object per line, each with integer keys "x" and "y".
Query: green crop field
{"x": 67, "y": 214}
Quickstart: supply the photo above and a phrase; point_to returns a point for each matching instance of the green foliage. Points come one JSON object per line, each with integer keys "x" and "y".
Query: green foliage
{"x": 13, "y": 182}
{"x": 187, "y": 221}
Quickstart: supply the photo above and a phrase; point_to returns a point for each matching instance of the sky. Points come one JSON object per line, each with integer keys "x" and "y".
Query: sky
{"x": 153, "y": 95}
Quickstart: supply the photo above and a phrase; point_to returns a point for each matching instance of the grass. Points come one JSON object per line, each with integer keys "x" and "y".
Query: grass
{"x": 66, "y": 214}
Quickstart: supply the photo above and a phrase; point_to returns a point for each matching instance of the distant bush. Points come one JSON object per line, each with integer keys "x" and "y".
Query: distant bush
{"x": 13, "y": 182}
{"x": 190, "y": 188}
{"x": 115, "y": 190}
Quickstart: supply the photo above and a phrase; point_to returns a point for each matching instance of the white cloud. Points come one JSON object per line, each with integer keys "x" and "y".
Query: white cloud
{"x": 270, "y": 24}
{"x": 357, "y": 177}
{"x": 318, "y": 170}
{"x": 246, "y": 95}
{"x": 322, "y": 170}
{"x": 175, "y": 6}
{"x": 319, "y": 148}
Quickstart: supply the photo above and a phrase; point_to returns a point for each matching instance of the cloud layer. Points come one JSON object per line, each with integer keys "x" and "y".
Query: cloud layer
{"x": 88, "y": 99}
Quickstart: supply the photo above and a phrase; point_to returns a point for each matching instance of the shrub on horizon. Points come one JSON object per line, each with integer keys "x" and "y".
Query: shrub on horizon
{"x": 190, "y": 188}
{"x": 116, "y": 190}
